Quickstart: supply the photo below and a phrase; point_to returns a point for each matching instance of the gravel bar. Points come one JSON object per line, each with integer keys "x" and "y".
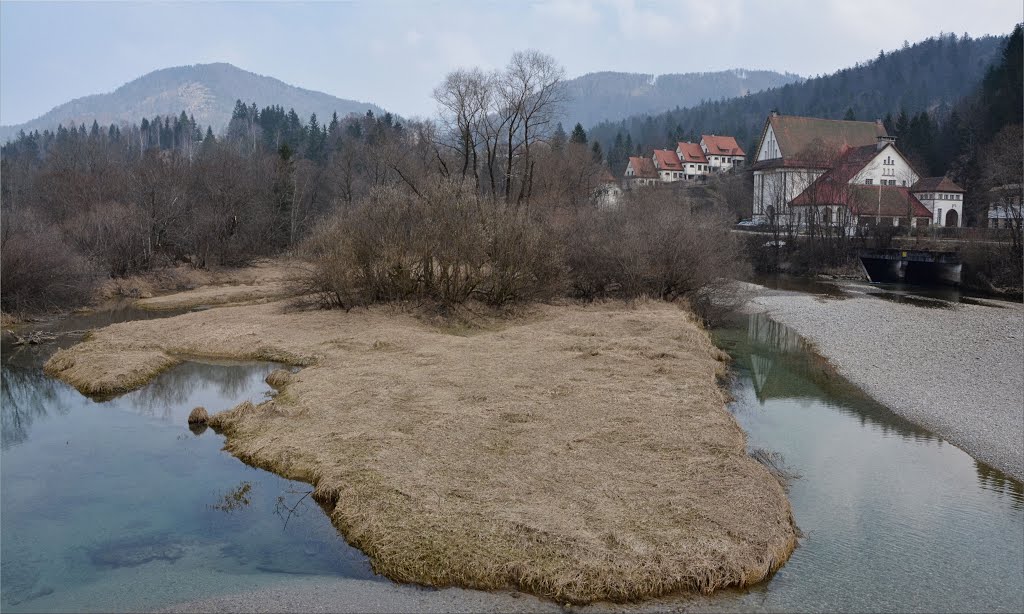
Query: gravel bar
{"x": 957, "y": 371}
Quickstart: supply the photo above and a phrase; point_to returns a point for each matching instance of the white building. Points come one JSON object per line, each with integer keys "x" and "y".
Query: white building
{"x": 639, "y": 172}
{"x": 723, "y": 153}
{"x": 943, "y": 198}
{"x": 1006, "y": 207}
{"x": 793, "y": 152}
{"x": 866, "y": 185}
{"x": 695, "y": 163}
{"x": 668, "y": 166}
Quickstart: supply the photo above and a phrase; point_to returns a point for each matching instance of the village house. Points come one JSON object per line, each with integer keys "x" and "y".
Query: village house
{"x": 695, "y": 163}
{"x": 943, "y": 198}
{"x": 1006, "y": 206}
{"x": 640, "y": 171}
{"x": 723, "y": 153}
{"x": 794, "y": 152}
{"x": 866, "y": 185}
{"x": 667, "y": 163}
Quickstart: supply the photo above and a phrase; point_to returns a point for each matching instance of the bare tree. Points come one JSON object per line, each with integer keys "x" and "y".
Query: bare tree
{"x": 531, "y": 94}
{"x": 464, "y": 101}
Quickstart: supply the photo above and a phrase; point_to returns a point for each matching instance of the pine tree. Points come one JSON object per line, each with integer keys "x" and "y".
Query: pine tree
{"x": 579, "y": 135}
{"x": 558, "y": 137}
{"x": 596, "y": 153}
{"x": 850, "y": 116}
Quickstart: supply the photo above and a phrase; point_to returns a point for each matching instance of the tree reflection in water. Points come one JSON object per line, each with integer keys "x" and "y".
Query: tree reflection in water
{"x": 26, "y": 394}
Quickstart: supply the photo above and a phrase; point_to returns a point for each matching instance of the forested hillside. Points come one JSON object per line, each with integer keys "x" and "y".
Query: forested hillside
{"x": 930, "y": 75}
{"x": 611, "y": 96}
{"x": 205, "y": 92}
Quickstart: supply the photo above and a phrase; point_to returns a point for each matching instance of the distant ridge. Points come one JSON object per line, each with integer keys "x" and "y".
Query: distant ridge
{"x": 611, "y": 96}
{"x": 206, "y": 91}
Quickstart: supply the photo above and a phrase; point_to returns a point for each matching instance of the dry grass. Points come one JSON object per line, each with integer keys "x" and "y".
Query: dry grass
{"x": 579, "y": 453}
{"x": 183, "y": 287}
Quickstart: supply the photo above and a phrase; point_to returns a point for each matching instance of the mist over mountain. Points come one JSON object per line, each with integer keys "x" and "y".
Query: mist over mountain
{"x": 206, "y": 91}
{"x": 611, "y": 96}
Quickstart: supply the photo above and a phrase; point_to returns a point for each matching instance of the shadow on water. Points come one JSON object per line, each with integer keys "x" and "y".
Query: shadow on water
{"x": 893, "y": 517}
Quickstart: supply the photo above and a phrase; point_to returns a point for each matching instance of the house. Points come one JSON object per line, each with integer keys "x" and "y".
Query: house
{"x": 722, "y": 152}
{"x": 607, "y": 194}
{"x": 1006, "y": 206}
{"x": 695, "y": 164}
{"x": 943, "y": 198}
{"x": 667, "y": 164}
{"x": 640, "y": 171}
{"x": 865, "y": 185}
{"x": 794, "y": 152}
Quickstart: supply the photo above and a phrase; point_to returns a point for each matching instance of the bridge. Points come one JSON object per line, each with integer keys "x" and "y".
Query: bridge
{"x": 912, "y": 265}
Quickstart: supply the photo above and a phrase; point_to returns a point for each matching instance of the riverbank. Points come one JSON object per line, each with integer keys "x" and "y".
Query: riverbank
{"x": 580, "y": 453}
{"x": 956, "y": 370}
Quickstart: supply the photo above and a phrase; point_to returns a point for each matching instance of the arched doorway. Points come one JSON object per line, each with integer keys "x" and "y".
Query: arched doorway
{"x": 952, "y": 219}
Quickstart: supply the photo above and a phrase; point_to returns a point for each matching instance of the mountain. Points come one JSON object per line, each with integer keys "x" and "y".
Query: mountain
{"x": 206, "y": 91}
{"x": 610, "y": 96}
{"x": 931, "y": 75}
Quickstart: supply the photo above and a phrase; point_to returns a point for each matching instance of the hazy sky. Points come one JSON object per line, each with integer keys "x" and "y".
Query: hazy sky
{"x": 394, "y": 53}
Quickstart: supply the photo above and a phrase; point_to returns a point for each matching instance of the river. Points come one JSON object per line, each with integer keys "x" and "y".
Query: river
{"x": 115, "y": 505}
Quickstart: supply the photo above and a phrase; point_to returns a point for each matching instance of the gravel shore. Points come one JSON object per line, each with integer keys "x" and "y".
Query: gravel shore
{"x": 958, "y": 371}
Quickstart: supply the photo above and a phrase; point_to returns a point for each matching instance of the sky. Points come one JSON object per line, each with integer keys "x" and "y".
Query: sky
{"x": 393, "y": 53}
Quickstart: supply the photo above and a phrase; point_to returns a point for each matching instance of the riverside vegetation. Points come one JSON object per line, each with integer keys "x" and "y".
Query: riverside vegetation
{"x": 469, "y": 421}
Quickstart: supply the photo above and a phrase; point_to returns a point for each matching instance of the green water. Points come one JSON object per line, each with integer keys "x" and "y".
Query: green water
{"x": 893, "y": 518}
{"x": 118, "y": 506}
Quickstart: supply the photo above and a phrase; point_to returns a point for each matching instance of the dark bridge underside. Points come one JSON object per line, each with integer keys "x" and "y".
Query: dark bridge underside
{"x": 911, "y": 255}
{"x": 911, "y": 271}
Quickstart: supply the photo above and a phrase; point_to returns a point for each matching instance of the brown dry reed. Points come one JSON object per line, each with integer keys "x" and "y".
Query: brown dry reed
{"x": 580, "y": 453}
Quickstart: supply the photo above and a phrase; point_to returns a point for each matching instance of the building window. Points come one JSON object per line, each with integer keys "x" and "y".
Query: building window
{"x": 869, "y": 181}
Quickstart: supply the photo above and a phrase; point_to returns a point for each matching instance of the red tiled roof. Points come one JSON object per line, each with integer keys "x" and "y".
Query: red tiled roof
{"x": 643, "y": 168}
{"x": 804, "y": 141}
{"x": 721, "y": 145}
{"x": 935, "y": 184}
{"x": 692, "y": 153}
{"x": 867, "y": 200}
{"x": 667, "y": 160}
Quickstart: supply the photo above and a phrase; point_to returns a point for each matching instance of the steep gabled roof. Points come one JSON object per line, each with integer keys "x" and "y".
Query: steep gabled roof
{"x": 851, "y": 162}
{"x": 691, "y": 152}
{"x": 722, "y": 145}
{"x": 935, "y": 184}
{"x": 643, "y": 167}
{"x": 866, "y": 200}
{"x": 804, "y": 141}
{"x": 667, "y": 160}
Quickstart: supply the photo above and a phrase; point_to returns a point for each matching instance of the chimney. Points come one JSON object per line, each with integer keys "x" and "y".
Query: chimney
{"x": 882, "y": 141}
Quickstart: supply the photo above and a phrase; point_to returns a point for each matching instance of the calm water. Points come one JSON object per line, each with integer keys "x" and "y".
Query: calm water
{"x": 118, "y": 506}
{"x": 894, "y": 518}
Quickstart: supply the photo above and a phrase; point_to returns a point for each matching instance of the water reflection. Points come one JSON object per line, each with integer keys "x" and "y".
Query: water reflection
{"x": 782, "y": 365}
{"x": 99, "y": 496}
{"x": 996, "y": 481}
{"x": 25, "y": 396}
{"x": 894, "y": 519}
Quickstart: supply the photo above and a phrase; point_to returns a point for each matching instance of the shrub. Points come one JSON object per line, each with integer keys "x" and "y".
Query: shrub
{"x": 650, "y": 248}
{"x": 443, "y": 245}
{"x": 39, "y": 269}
